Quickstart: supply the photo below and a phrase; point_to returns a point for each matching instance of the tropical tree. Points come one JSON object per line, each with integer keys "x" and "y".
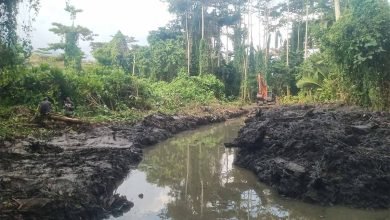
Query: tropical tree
{"x": 115, "y": 53}
{"x": 70, "y": 38}
{"x": 167, "y": 58}
{"x": 337, "y": 9}
{"x": 359, "y": 43}
{"x": 167, "y": 52}
{"x": 313, "y": 72}
{"x": 14, "y": 48}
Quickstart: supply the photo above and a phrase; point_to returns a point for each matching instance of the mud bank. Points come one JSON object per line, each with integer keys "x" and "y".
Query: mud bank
{"x": 326, "y": 155}
{"x": 74, "y": 176}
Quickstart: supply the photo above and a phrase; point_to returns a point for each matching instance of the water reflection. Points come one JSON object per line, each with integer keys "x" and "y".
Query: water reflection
{"x": 192, "y": 177}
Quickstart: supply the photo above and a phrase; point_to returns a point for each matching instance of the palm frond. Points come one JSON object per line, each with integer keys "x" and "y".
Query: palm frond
{"x": 309, "y": 82}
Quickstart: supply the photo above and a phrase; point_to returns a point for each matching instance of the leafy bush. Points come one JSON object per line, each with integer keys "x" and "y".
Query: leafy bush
{"x": 319, "y": 79}
{"x": 185, "y": 90}
{"x": 359, "y": 44}
{"x": 100, "y": 90}
{"x": 29, "y": 85}
{"x": 112, "y": 89}
{"x": 95, "y": 89}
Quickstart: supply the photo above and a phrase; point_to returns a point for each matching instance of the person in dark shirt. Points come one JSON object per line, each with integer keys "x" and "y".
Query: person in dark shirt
{"x": 45, "y": 107}
{"x": 69, "y": 107}
{"x": 44, "y": 110}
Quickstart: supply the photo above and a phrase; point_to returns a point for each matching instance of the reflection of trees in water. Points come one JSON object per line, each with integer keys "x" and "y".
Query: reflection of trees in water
{"x": 202, "y": 184}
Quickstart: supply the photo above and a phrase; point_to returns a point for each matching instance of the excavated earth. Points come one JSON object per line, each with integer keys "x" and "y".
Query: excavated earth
{"x": 74, "y": 176}
{"x": 325, "y": 155}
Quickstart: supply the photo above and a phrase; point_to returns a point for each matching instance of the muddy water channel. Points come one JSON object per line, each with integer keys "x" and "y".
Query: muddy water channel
{"x": 192, "y": 176}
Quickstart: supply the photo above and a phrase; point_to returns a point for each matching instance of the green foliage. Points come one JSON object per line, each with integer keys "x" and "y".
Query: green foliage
{"x": 143, "y": 67}
{"x": 279, "y": 79}
{"x": 228, "y": 75}
{"x": 29, "y": 86}
{"x": 353, "y": 63}
{"x": 167, "y": 58}
{"x": 115, "y": 53}
{"x": 331, "y": 89}
{"x": 95, "y": 89}
{"x": 14, "y": 49}
{"x": 103, "y": 91}
{"x": 185, "y": 90}
{"x": 204, "y": 57}
{"x": 70, "y": 36}
{"x": 359, "y": 44}
{"x": 171, "y": 32}
{"x": 314, "y": 71}
{"x": 13, "y": 122}
{"x": 12, "y": 56}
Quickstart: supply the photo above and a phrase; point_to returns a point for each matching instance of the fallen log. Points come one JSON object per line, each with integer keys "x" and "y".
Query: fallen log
{"x": 66, "y": 119}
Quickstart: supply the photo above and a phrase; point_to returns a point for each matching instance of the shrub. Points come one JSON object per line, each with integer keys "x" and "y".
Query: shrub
{"x": 94, "y": 88}
{"x": 185, "y": 90}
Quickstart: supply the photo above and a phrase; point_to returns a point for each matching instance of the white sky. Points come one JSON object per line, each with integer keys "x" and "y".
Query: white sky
{"x": 133, "y": 17}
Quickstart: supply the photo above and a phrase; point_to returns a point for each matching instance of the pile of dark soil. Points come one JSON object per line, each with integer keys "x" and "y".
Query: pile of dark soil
{"x": 74, "y": 176}
{"x": 325, "y": 155}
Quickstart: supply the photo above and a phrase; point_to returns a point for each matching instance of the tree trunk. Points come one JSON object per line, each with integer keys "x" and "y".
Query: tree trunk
{"x": 188, "y": 45}
{"x": 265, "y": 40}
{"x": 202, "y": 21}
{"x": 246, "y": 58}
{"x": 134, "y": 64}
{"x": 337, "y": 9}
{"x": 307, "y": 20}
{"x": 287, "y": 35}
{"x": 245, "y": 84}
{"x": 201, "y": 45}
{"x": 188, "y": 171}
{"x": 288, "y": 90}
{"x": 201, "y": 182}
{"x": 250, "y": 29}
{"x": 227, "y": 44}
{"x": 266, "y": 36}
{"x": 259, "y": 28}
{"x": 299, "y": 30}
{"x": 65, "y": 119}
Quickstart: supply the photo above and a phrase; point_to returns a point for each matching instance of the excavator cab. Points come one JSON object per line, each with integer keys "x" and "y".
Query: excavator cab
{"x": 270, "y": 96}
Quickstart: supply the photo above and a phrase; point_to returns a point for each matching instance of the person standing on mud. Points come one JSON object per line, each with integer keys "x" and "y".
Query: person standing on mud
{"x": 69, "y": 107}
{"x": 45, "y": 107}
{"x": 44, "y": 110}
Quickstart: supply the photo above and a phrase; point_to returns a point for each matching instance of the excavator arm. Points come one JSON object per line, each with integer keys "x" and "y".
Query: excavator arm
{"x": 263, "y": 94}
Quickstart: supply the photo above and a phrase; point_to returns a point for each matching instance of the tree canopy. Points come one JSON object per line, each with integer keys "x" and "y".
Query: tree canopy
{"x": 13, "y": 48}
{"x": 70, "y": 37}
{"x": 114, "y": 53}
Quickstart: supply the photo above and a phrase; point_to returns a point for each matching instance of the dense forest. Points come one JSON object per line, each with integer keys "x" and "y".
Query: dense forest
{"x": 308, "y": 51}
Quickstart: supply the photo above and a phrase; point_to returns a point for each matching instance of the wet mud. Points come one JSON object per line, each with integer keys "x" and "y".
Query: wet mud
{"x": 326, "y": 155}
{"x": 74, "y": 176}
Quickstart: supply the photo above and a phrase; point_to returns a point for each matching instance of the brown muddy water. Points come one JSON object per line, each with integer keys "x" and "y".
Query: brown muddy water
{"x": 192, "y": 176}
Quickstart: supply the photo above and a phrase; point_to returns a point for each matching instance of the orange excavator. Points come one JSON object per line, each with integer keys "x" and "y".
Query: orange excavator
{"x": 263, "y": 95}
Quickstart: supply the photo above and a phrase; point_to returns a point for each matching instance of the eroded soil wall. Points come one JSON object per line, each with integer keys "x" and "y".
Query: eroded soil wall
{"x": 326, "y": 155}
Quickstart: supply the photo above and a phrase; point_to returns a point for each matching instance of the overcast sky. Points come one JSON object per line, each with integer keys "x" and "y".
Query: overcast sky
{"x": 133, "y": 17}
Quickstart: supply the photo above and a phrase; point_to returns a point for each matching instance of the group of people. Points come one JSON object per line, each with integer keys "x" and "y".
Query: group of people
{"x": 45, "y": 107}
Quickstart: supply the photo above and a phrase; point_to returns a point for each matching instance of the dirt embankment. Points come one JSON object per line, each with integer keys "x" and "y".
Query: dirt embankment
{"x": 74, "y": 176}
{"x": 325, "y": 155}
